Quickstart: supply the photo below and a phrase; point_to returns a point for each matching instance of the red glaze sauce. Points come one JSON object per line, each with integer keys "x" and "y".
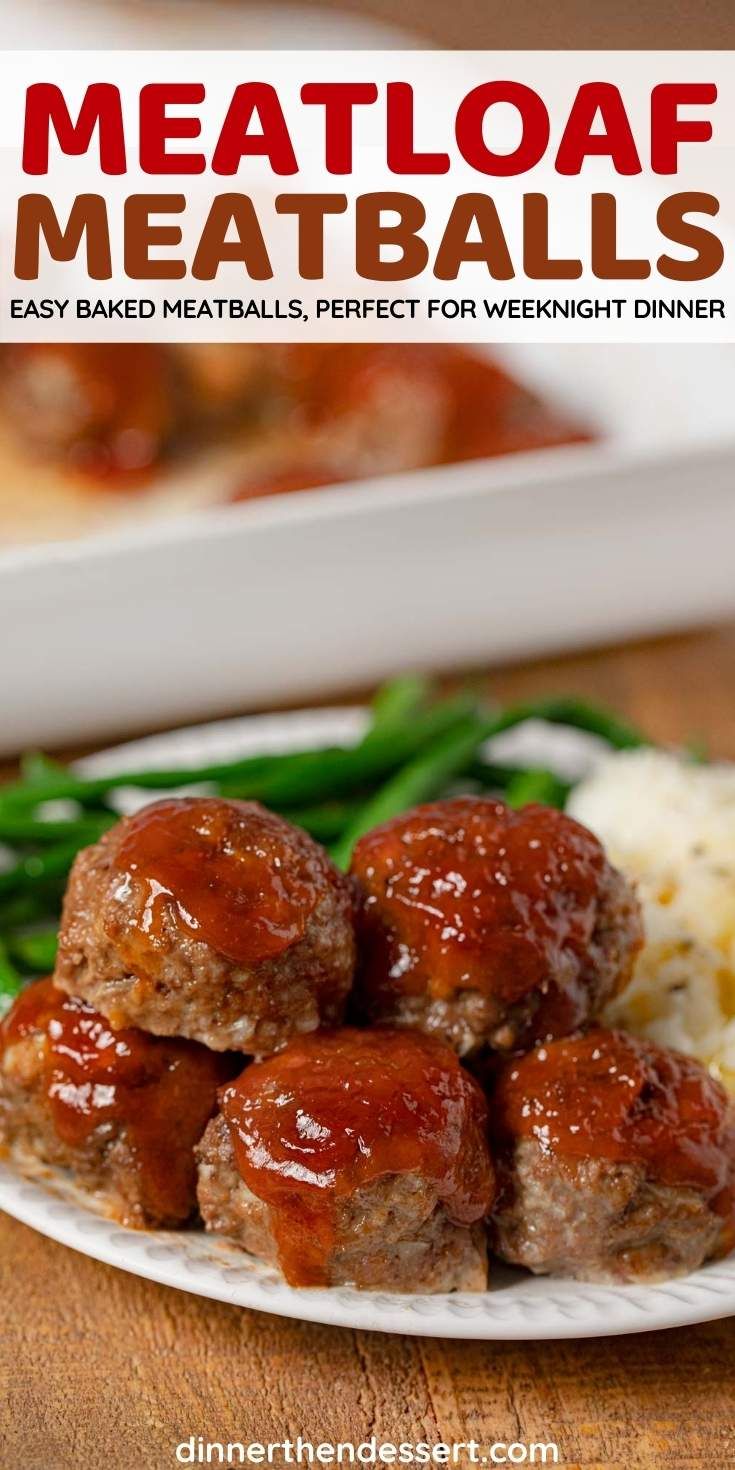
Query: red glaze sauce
{"x": 467, "y": 894}
{"x": 114, "y": 410}
{"x": 493, "y": 414}
{"x": 483, "y": 410}
{"x": 327, "y": 381}
{"x": 471, "y": 409}
{"x": 161, "y": 1092}
{"x": 234, "y": 874}
{"x": 338, "y": 1110}
{"x": 610, "y": 1095}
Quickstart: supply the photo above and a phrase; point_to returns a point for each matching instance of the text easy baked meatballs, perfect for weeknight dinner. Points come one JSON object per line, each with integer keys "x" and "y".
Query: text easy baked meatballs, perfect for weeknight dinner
{"x": 354, "y": 1156}
{"x": 211, "y": 919}
{"x": 616, "y": 1158}
{"x": 120, "y": 1109}
{"x": 488, "y": 926}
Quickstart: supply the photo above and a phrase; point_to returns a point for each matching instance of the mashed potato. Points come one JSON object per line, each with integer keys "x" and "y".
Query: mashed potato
{"x": 670, "y": 826}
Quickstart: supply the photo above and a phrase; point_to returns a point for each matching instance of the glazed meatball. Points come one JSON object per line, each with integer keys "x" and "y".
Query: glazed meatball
{"x": 354, "y": 1157}
{"x": 120, "y": 1109}
{"x": 490, "y": 927}
{"x": 617, "y": 1160}
{"x": 211, "y": 919}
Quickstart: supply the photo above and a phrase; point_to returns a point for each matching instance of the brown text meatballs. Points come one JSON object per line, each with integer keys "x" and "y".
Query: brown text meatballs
{"x": 354, "y": 1157}
{"x": 488, "y": 926}
{"x": 211, "y": 919}
{"x": 120, "y": 1109}
{"x": 617, "y": 1160}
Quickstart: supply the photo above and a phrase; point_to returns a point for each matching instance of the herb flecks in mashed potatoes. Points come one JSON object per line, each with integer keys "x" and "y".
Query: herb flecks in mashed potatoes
{"x": 670, "y": 826}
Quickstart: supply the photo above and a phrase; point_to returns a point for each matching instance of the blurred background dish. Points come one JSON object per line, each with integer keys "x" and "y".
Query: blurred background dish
{"x": 286, "y": 596}
{"x": 182, "y": 25}
{"x": 92, "y": 434}
{"x": 151, "y": 573}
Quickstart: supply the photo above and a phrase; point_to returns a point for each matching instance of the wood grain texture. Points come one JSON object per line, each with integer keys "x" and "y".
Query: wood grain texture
{"x": 578, "y": 24}
{"x": 99, "y": 1369}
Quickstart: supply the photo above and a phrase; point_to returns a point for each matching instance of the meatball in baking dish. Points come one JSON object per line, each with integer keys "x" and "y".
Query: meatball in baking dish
{"x": 107, "y": 410}
{"x": 616, "y": 1160}
{"x": 366, "y": 408}
{"x": 354, "y": 1157}
{"x": 489, "y": 927}
{"x": 211, "y": 919}
{"x": 115, "y": 410}
{"x": 120, "y": 1109}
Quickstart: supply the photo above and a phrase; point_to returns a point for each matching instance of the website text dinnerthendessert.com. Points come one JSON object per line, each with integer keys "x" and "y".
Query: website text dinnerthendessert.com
{"x": 198, "y": 1450}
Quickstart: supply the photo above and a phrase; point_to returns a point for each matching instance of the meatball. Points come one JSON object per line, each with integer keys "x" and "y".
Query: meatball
{"x": 360, "y": 409}
{"x": 371, "y": 408}
{"x": 354, "y": 1157}
{"x": 120, "y": 1109}
{"x": 491, "y": 927}
{"x": 98, "y": 408}
{"x": 616, "y": 1160}
{"x": 211, "y": 919}
{"x": 219, "y": 381}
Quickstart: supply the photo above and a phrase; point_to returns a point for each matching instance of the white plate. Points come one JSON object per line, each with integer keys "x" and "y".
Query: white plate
{"x": 293, "y": 596}
{"x": 518, "y": 1306}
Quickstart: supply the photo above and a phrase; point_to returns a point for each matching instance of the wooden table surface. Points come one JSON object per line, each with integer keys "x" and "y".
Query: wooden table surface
{"x": 99, "y": 1369}
{"x": 495, "y": 25}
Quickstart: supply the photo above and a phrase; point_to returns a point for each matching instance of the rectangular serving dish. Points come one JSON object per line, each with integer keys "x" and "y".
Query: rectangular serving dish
{"x": 302, "y": 595}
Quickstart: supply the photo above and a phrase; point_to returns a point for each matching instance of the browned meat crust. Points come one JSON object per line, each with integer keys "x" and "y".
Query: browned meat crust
{"x": 393, "y": 1235}
{"x": 601, "y": 1221}
{"x": 187, "y": 987}
{"x": 106, "y": 1161}
{"x": 489, "y": 928}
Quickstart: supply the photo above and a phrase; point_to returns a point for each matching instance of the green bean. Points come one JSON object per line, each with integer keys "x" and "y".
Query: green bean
{"x": 11, "y": 981}
{"x": 20, "y": 797}
{"x": 37, "y": 768}
{"x": 494, "y": 777}
{"x": 318, "y": 775}
{"x": 393, "y": 704}
{"x": 426, "y": 775}
{"x": 565, "y": 710}
{"x": 419, "y": 780}
{"x": 309, "y": 776}
{"x": 326, "y": 821}
{"x": 537, "y": 785}
{"x": 290, "y": 778}
{"x": 31, "y": 831}
{"x": 38, "y": 868}
{"x": 26, "y": 908}
{"x": 397, "y": 700}
{"x": 35, "y": 952}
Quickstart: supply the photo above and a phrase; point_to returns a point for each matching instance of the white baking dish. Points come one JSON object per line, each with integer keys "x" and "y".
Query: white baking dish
{"x": 305, "y": 594}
